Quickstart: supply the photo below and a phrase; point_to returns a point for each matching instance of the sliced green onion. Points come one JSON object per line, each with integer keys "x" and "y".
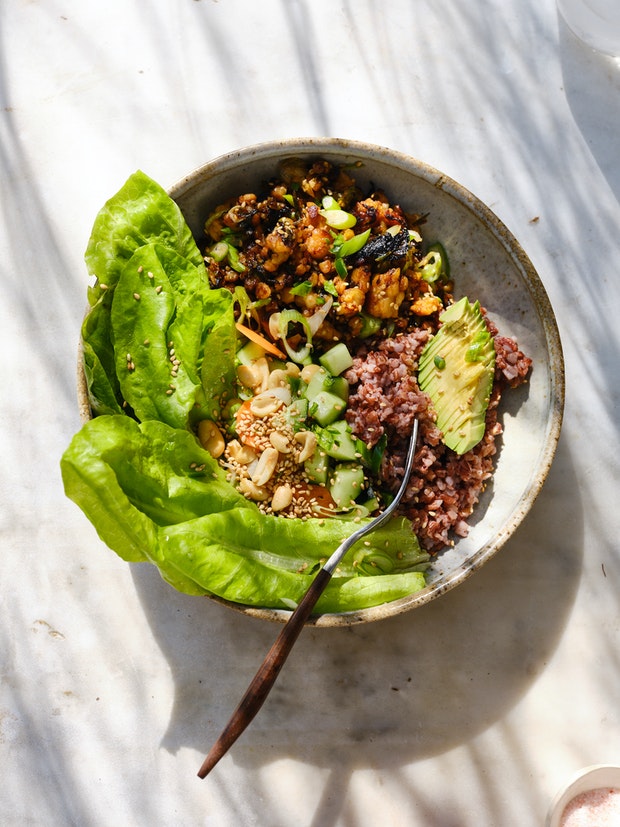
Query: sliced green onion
{"x": 330, "y": 287}
{"x": 288, "y": 197}
{"x": 219, "y": 251}
{"x": 339, "y": 219}
{"x": 341, "y": 268}
{"x": 301, "y": 289}
{"x": 286, "y": 318}
{"x": 439, "y": 362}
{"x": 330, "y": 203}
{"x": 241, "y": 297}
{"x": 233, "y": 259}
{"x": 353, "y": 245}
{"x": 434, "y": 265}
{"x": 370, "y": 325}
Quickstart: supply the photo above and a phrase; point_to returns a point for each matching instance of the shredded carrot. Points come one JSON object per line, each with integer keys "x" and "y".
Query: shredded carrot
{"x": 246, "y": 437}
{"x": 260, "y": 340}
{"x": 317, "y": 495}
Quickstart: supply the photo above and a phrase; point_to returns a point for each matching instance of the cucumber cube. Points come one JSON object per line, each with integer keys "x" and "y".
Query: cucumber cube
{"x": 346, "y": 484}
{"x": 297, "y": 413}
{"x": 337, "y": 359}
{"x": 337, "y": 441}
{"x": 317, "y": 467}
{"x": 319, "y": 382}
{"x": 326, "y": 407}
{"x": 249, "y": 353}
{"x": 340, "y": 387}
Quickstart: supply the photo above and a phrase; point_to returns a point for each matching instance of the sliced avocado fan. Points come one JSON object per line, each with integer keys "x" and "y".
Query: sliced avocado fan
{"x": 456, "y": 370}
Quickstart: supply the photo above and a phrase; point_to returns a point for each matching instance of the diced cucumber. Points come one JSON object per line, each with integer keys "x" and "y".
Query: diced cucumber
{"x": 322, "y": 380}
{"x": 340, "y": 387}
{"x": 371, "y": 504}
{"x": 317, "y": 467}
{"x": 249, "y": 353}
{"x": 297, "y": 413}
{"x": 337, "y": 359}
{"x": 319, "y": 382}
{"x": 337, "y": 441}
{"x": 326, "y": 407}
{"x": 346, "y": 484}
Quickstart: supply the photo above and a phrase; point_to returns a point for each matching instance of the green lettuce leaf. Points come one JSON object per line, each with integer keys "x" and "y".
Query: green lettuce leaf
{"x": 163, "y": 313}
{"x": 141, "y": 212}
{"x": 154, "y": 494}
{"x": 258, "y": 560}
{"x": 98, "y": 359}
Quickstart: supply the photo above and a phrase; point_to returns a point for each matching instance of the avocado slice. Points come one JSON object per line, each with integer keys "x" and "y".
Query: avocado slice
{"x": 456, "y": 370}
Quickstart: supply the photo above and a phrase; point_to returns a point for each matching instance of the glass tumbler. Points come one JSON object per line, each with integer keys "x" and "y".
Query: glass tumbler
{"x": 596, "y": 22}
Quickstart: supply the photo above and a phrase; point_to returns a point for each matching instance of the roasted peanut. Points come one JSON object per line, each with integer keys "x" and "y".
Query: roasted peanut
{"x": 280, "y": 442}
{"x": 282, "y": 497}
{"x": 265, "y": 466}
{"x": 277, "y": 379}
{"x": 211, "y": 438}
{"x": 242, "y": 454}
{"x": 254, "y": 492}
{"x": 265, "y": 405}
{"x": 307, "y": 442}
{"x": 255, "y": 375}
{"x": 248, "y": 376}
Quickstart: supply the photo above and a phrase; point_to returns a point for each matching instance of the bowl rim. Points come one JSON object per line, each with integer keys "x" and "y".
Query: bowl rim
{"x": 584, "y": 780}
{"x": 325, "y": 146}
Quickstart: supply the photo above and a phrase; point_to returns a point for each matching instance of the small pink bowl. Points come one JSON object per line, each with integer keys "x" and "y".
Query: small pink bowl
{"x": 591, "y": 778}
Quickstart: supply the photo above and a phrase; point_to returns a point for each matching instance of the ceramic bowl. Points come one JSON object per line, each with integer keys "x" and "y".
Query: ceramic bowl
{"x": 596, "y": 777}
{"x": 489, "y": 264}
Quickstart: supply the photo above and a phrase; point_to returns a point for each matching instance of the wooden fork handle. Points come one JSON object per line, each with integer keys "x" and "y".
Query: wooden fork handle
{"x": 265, "y": 678}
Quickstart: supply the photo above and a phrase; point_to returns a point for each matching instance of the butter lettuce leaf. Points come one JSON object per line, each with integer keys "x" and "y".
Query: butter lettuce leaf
{"x": 139, "y": 215}
{"x": 162, "y": 315}
{"x": 153, "y": 494}
{"x": 141, "y": 212}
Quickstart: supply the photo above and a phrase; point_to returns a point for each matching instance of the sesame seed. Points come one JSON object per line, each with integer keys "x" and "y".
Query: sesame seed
{"x": 149, "y": 274}
{"x": 136, "y": 296}
{"x": 103, "y": 286}
{"x": 158, "y": 288}
{"x": 140, "y": 269}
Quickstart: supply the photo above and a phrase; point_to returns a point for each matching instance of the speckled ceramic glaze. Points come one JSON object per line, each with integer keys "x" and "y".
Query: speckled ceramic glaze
{"x": 488, "y": 264}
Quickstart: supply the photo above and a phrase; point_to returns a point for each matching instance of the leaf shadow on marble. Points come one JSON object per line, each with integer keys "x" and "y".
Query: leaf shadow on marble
{"x": 387, "y": 693}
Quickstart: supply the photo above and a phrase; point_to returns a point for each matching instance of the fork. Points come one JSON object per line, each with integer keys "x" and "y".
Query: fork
{"x": 269, "y": 670}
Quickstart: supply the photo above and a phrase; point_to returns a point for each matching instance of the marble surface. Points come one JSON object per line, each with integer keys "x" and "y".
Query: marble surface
{"x": 470, "y": 711}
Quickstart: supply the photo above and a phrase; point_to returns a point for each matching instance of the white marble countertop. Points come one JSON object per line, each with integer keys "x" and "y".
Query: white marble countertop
{"x": 470, "y": 711}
